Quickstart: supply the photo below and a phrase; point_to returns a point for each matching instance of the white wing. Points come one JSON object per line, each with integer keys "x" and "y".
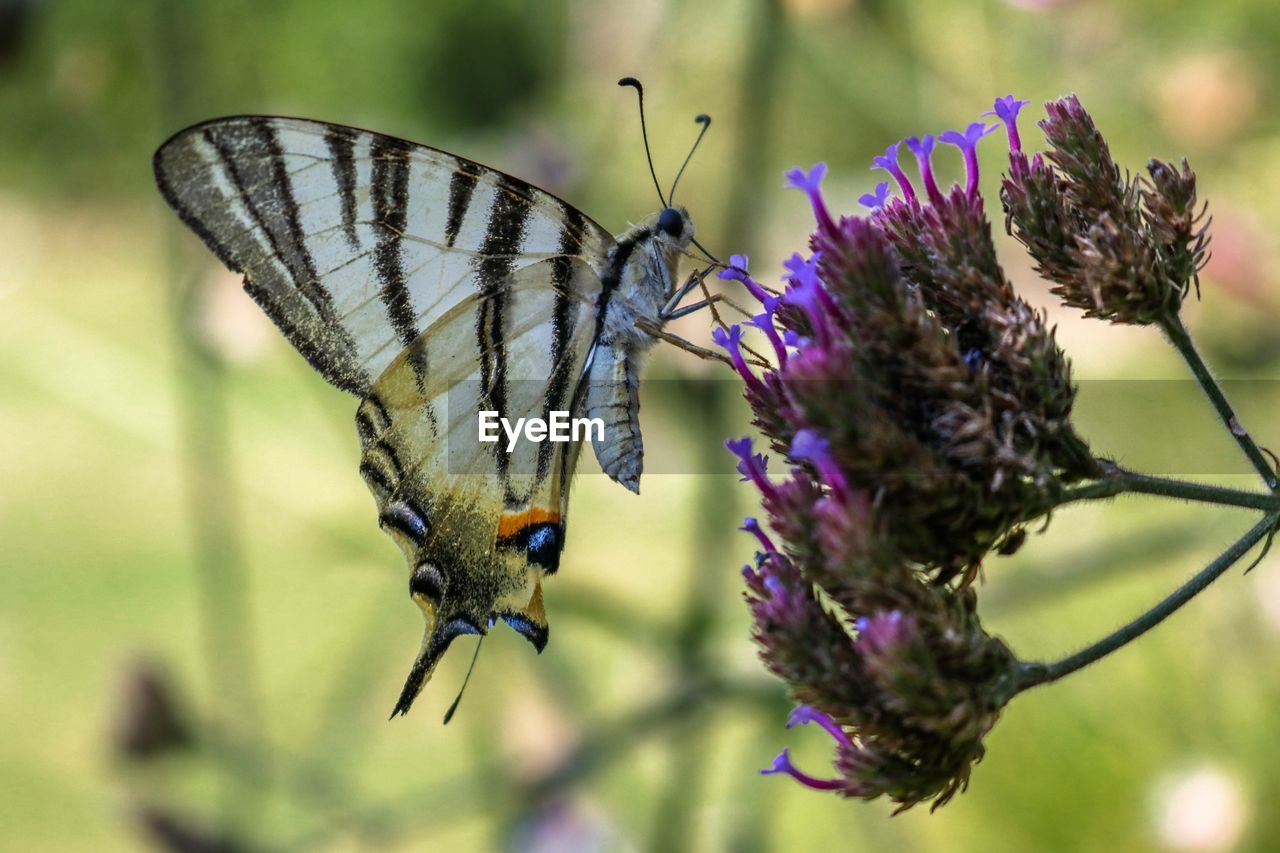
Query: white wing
{"x": 354, "y": 243}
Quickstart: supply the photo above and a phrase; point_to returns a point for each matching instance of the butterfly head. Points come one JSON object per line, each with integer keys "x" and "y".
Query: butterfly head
{"x": 671, "y": 229}
{"x": 674, "y": 223}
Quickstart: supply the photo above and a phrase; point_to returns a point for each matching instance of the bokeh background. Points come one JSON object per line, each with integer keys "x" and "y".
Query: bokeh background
{"x": 202, "y": 629}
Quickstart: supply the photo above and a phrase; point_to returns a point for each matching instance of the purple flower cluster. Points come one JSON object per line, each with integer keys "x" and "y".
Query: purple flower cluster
{"x": 922, "y": 412}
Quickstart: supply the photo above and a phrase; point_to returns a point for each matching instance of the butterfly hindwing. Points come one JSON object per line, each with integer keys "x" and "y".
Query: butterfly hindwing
{"x": 480, "y": 526}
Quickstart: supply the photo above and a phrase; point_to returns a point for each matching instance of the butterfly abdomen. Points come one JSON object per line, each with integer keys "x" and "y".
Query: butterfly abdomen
{"x": 644, "y": 270}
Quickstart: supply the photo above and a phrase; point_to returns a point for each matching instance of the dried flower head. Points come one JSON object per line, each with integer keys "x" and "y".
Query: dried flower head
{"x": 1119, "y": 248}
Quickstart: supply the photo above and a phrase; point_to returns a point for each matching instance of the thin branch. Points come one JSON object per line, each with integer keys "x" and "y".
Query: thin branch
{"x": 1033, "y": 674}
{"x": 1181, "y": 340}
{"x": 1120, "y": 481}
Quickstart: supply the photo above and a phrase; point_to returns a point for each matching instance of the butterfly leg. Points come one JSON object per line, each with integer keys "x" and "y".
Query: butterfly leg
{"x": 689, "y": 309}
{"x": 677, "y": 341}
{"x": 695, "y": 279}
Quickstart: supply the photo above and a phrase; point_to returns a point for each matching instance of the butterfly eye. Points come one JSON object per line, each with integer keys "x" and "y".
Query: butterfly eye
{"x": 671, "y": 222}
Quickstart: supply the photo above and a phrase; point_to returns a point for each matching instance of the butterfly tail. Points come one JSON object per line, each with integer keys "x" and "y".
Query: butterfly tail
{"x": 434, "y": 644}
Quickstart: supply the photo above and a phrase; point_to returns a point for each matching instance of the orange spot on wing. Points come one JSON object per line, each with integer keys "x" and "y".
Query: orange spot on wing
{"x": 511, "y": 524}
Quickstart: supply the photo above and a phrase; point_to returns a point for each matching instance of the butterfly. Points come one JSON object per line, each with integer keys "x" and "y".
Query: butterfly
{"x": 434, "y": 288}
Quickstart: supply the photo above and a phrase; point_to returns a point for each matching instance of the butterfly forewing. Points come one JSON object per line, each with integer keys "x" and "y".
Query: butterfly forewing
{"x": 354, "y": 242}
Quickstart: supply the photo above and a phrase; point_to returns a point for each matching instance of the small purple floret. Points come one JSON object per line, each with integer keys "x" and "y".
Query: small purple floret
{"x": 737, "y": 271}
{"x": 1006, "y": 109}
{"x": 752, "y": 467}
{"x": 805, "y": 714}
{"x": 815, "y": 450}
{"x": 782, "y": 764}
{"x": 875, "y": 200}
{"x": 731, "y": 341}
{"x": 752, "y": 526}
{"x": 967, "y": 142}
{"x": 764, "y": 322}
{"x": 922, "y": 147}
{"x": 807, "y": 296}
{"x": 889, "y": 162}
{"x": 882, "y": 631}
{"x": 810, "y": 184}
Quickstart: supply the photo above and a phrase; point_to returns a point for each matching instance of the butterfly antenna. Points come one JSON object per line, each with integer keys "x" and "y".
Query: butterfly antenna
{"x": 705, "y": 121}
{"x": 644, "y": 133}
{"x": 448, "y": 715}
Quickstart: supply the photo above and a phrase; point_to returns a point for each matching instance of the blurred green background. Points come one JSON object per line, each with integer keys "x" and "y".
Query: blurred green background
{"x": 180, "y": 513}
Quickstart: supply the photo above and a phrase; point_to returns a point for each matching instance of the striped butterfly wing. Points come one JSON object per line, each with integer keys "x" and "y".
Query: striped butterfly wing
{"x": 480, "y": 527}
{"x": 433, "y": 288}
{"x": 354, "y": 243}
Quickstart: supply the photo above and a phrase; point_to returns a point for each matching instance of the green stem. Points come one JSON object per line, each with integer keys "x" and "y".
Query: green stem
{"x": 1033, "y": 673}
{"x": 1118, "y": 481}
{"x": 1182, "y": 342}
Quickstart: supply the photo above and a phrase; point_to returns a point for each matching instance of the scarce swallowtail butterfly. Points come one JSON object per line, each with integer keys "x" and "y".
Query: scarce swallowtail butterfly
{"x": 433, "y": 288}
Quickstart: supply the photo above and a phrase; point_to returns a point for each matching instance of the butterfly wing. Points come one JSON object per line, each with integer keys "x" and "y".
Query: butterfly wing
{"x": 354, "y": 243}
{"x": 434, "y": 288}
{"x": 479, "y": 526}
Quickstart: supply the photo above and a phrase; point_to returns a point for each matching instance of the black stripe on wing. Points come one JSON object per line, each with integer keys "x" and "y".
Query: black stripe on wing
{"x": 389, "y": 190}
{"x": 563, "y": 328}
{"x": 341, "y": 142}
{"x": 253, "y": 161}
{"x": 504, "y": 235}
{"x": 268, "y": 250}
{"x": 461, "y": 187}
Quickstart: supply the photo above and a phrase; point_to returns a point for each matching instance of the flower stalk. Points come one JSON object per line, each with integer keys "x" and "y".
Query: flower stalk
{"x": 1118, "y": 481}
{"x": 1034, "y": 674}
{"x": 1181, "y": 340}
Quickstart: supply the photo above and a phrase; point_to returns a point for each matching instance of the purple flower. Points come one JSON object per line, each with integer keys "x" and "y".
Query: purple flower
{"x": 967, "y": 142}
{"x": 807, "y": 445}
{"x": 807, "y": 296}
{"x": 808, "y": 293}
{"x": 764, "y": 322}
{"x": 810, "y": 184}
{"x": 801, "y": 271}
{"x": 737, "y": 271}
{"x": 889, "y": 162}
{"x": 875, "y": 200}
{"x": 802, "y": 715}
{"x": 752, "y": 526}
{"x": 732, "y": 343}
{"x": 751, "y": 466}
{"x": 922, "y": 147}
{"x": 782, "y": 764}
{"x": 880, "y": 632}
{"x": 805, "y": 714}
{"x": 1006, "y": 109}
